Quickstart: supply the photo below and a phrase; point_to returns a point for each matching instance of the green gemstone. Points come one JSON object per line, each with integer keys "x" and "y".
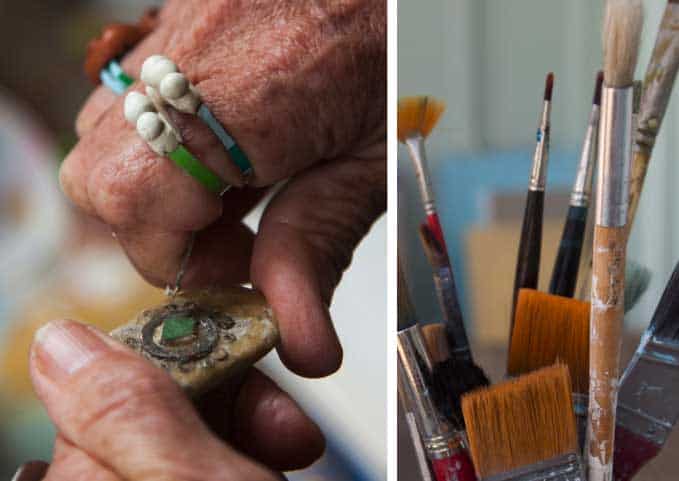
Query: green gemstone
{"x": 176, "y": 327}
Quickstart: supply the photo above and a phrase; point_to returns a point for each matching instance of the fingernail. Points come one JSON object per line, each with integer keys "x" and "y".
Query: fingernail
{"x": 31, "y": 471}
{"x": 64, "y": 347}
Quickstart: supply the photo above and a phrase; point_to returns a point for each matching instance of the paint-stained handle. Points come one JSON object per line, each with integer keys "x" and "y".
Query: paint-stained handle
{"x": 528, "y": 260}
{"x": 608, "y": 279}
{"x": 632, "y": 452}
{"x": 636, "y": 183}
{"x": 565, "y": 273}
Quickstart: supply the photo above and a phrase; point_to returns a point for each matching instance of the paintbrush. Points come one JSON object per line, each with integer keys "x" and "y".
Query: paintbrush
{"x": 658, "y": 83}
{"x": 565, "y": 273}
{"x": 648, "y": 406}
{"x": 451, "y": 377}
{"x": 548, "y": 329}
{"x": 528, "y": 260}
{"x": 621, "y": 34}
{"x": 524, "y": 429}
{"x": 443, "y": 442}
{"x": 446, "y": 293}
{"x": 417, "y": 117}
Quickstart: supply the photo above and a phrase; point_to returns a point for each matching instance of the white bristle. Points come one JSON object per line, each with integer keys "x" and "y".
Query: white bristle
{"x": 623, "y": 22}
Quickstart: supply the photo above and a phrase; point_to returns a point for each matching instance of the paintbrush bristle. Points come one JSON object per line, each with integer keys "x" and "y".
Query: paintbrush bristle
{"x": 437, "y": 345}
{"x": 549, "y": 86}
{"x": 623, "y": 21}
{"x": 417, "y": 116}
{"x": 596, "y": 100}
{"x": 548, "y": 329}
{"x": 521, "y": 422}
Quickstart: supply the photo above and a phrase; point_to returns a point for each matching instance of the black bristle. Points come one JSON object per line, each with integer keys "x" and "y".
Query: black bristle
{"x": 451, "y": 379}
{"x": 665, "y": 323}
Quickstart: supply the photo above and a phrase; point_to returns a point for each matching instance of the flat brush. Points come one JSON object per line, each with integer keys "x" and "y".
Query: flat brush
{"x": 451, "y": 377}
{"x": 622, "y": 30}
{"x": 657, "y": 88}
{"x": 648, "y": 406}
{"x": 443, "y": 443}
{"x": 524, "y": 429}
{"x": 417, "y": 117}
{"x": 551, "y": 329}
{"x": 446, "y": 293}
{"x": 528, "y": 260}
{"x": 565, "y": 273}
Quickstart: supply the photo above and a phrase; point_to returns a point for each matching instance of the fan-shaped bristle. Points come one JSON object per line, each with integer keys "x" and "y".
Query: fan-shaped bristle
{"x": 418, "y": 116}
{"x": 548, "y": 329}
{"x": 521, "y": 422}
{"x": 623, "y": 22}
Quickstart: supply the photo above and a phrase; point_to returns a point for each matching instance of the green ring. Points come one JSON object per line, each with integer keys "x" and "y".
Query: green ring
{"x": 186, "y": 161}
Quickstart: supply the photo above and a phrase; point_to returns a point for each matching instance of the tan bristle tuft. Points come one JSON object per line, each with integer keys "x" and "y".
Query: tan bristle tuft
{"x": 623, "y": 22}
{"x": 548, "y": 329}
{"x": 436, "y": 341}
{"x": 521, "y": 421}
{"x": 418, "y": 116}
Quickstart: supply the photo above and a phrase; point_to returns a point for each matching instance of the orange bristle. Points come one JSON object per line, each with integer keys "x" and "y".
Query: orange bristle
{"x": 436, "y": 341}
{"x": 418, "y": 116}
{"x": 548, "y": 329}
{"x": 521, "y": 422}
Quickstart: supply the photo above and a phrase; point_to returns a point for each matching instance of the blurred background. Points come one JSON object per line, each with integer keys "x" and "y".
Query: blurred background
{"x": 487, "y": 59}
{"x": 55, "y": 262}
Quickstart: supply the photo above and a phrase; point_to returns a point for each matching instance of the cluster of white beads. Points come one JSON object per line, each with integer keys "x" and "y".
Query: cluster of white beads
{"x": 152, "y": 127}
{"x": 161, "y": 74}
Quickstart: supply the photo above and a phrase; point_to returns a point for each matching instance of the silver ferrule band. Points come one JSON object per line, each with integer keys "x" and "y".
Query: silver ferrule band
{"x": 415, "y": 146}
{"x": 615, "y": 147}
{"x": 566, "y": 467}
{"x": 582, "y": 187}
{"x": 538, "y": 173}
{"x": 413, "y": 356}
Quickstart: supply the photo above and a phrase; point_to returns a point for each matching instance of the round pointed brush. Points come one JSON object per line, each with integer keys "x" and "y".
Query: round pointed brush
{"x": 621, "y": 34}
{"x": 565, "y": 273}
{"x": 528, "y": 260}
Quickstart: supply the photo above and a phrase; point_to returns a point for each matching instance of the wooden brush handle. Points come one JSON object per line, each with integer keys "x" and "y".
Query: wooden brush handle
{"x": 528, "y": 260}
{"x": 636, "y": 183}
{"x": 565, "y": 273}
{"x": 608, "y": 279}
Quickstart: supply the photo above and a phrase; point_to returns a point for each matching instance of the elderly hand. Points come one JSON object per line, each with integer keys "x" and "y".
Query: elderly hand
{"x": 121, "y": 418}
{"x": 301, "y": 86}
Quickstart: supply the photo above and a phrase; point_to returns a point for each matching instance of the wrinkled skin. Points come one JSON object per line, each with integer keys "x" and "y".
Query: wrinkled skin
{"x": 301, "y": 85}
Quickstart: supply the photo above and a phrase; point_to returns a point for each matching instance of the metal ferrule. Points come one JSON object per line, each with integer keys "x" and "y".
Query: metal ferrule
{"x": 567, "y": 467}
{"x": 435, "y": 432}
{"x": 405, "y": 395}
{"x": 582, "y": 187}
{"x": 415, "y": 146}
{"x": 614, "y": 157}
{"x": 648, "y": 404}
{"x": 659, "y": 80}
{"x": 447, "y": 292}
{"x": 539, "y": 172}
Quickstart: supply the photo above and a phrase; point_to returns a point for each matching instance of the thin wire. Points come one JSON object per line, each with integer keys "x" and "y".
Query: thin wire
{"x": 183, "y": 265}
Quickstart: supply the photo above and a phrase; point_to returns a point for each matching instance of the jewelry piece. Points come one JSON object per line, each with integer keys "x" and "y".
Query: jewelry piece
{"x": 203, "y": 338}
{"x": 162, "y": 78}
{"x": 164, "y": 139}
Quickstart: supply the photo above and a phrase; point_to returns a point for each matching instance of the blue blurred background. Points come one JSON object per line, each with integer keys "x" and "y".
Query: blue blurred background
{"x": 55, "y": 262}
{"x": 487, "y": 59}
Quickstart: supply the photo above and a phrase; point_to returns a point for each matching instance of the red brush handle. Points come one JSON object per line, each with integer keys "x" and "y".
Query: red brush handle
{"x": 457, "y": 467}
{"x": 632, "y": 452}
{"x": 435, "y": 228}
